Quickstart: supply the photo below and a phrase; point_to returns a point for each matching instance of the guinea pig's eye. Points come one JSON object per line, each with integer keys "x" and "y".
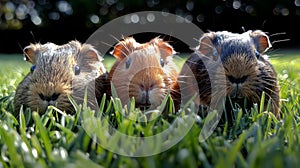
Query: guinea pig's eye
{"x": 77, "y": 70}
{"x": 128, "y": 62}
{"x": 32, "y": 68}
{"x": 162, "y": 62}
{"x": 215, "y": 53}
{"x": 257, "y": 54}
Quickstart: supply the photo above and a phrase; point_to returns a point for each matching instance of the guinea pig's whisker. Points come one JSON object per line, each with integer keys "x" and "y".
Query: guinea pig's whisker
{"x": 272, "y": 91}
{"x": 106, "y": 44}
{"x": 278, "y": 41}
{"x": 183, "y": 82}
{"x": 208, "y": 45}
{"x": 196, "y": 40}
{"x": 169, "y": 40}
{"x": 184, "y": 76}
{"x": 267, "y": 93}
{"x": 282, "y": 40}
{"x": 128, "y": 50}
{"x": 162, "y": 96}
{"x": 192, "y": 62}
{"x": 123, "y": 86}
{"x": 205, "y": 90}
{"x": 277, "y": 34}
{"x": 269, "y": 83}
{"x": 124, "y": 53}
{"x": 115, "y": 38}
{"x": 217, "y": 95}
{"x": 119, "y": 68}
{"x": 175, "y": 91}
{"x": 270, "y": 80}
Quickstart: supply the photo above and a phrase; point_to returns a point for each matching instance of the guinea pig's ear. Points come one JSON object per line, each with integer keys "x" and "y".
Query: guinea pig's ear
{"x": 124, "y": 48}
{"x": 261, "y": 41}
{"x": 164, "y": 47}
{"x": 206, "y": 46}
{"x": 88, "y": 59}
{"x": 29, "y": 53}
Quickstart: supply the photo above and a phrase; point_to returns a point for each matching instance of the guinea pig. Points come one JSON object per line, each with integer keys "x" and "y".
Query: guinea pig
{"x": 59, "y": 71}
{"x": 247, "y": 71}
{"x": 145, "y": 72}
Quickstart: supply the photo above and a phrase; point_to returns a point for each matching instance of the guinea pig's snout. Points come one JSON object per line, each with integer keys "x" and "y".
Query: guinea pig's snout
{"x": 146, "y": 91}
{"x": 50, "y": 99}
{"x": 236, "y": 86}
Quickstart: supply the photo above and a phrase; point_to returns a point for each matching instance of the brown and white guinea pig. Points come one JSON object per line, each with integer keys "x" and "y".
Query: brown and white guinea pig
{"x": 58, "y": 71}
{"x": 247, "y": 70}
{"x": 145, "y": 72}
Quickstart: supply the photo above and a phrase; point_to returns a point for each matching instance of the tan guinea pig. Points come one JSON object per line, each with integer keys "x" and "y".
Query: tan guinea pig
{"x": 59, "y": 71}
{"x": 144, "y": 71}
{"x": 247, "y": 70}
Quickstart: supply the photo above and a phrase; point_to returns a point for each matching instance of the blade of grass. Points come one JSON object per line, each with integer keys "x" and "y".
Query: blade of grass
{"x": 102, "y": 105}
{"x": 237, "y": 122}
{"x": 9, "y": 138}
{"x": 262, "y": 102}
{"x": 44, "y": 135}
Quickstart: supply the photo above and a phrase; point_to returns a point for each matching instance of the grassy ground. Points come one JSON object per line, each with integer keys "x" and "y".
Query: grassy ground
{"x": 253, "y": 139}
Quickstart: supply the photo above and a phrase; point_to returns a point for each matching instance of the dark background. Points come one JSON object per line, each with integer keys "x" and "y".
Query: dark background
{"x": 24, "y": 21}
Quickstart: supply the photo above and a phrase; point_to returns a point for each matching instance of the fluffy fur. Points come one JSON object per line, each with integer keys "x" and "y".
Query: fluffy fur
{"x": 145, "y": 72}
{"x": 248, "y": 73}
{"x": 53, "y": 77}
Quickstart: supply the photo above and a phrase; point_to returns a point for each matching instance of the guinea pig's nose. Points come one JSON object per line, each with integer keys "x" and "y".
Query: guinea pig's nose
{"x": 236, "y": 92}
{"x": 145, "y": 94}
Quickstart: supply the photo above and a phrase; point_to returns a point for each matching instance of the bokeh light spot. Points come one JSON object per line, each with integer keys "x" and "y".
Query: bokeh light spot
{"x": 54, "y": 16}
{"x": 249, "y": 9}
{"x": 150, "y": 17}
{"x": 236, "y": 4}
{"x": 297, "y": 2}
{"x": 9, "y": 16}
{"x": 120, "y": 6}
{"x": 94, "y": 19}
{"x": 36, "y": 20}
{"x": 190, "y": 5}
{"x": 285, "y": 11}
{"x": 188, "y": 18}
{"x": 21, "y": 11}
{"x": 64, "y": 7}
{"x": 219, "y": 9}
{"x": 200, "y": 18}
{"x": 10, "y": 6}
{"x": 127, "y": 19}
{"x": 134, "y": 18}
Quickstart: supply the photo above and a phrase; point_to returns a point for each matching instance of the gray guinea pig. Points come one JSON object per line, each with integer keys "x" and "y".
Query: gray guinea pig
{"x": 247, "y": 71}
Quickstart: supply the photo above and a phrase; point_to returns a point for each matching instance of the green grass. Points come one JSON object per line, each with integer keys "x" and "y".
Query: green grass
{"x": 254, "y": 139}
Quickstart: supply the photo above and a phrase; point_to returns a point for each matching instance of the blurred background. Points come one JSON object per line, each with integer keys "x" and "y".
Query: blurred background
{"x": 26, "y": 21}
